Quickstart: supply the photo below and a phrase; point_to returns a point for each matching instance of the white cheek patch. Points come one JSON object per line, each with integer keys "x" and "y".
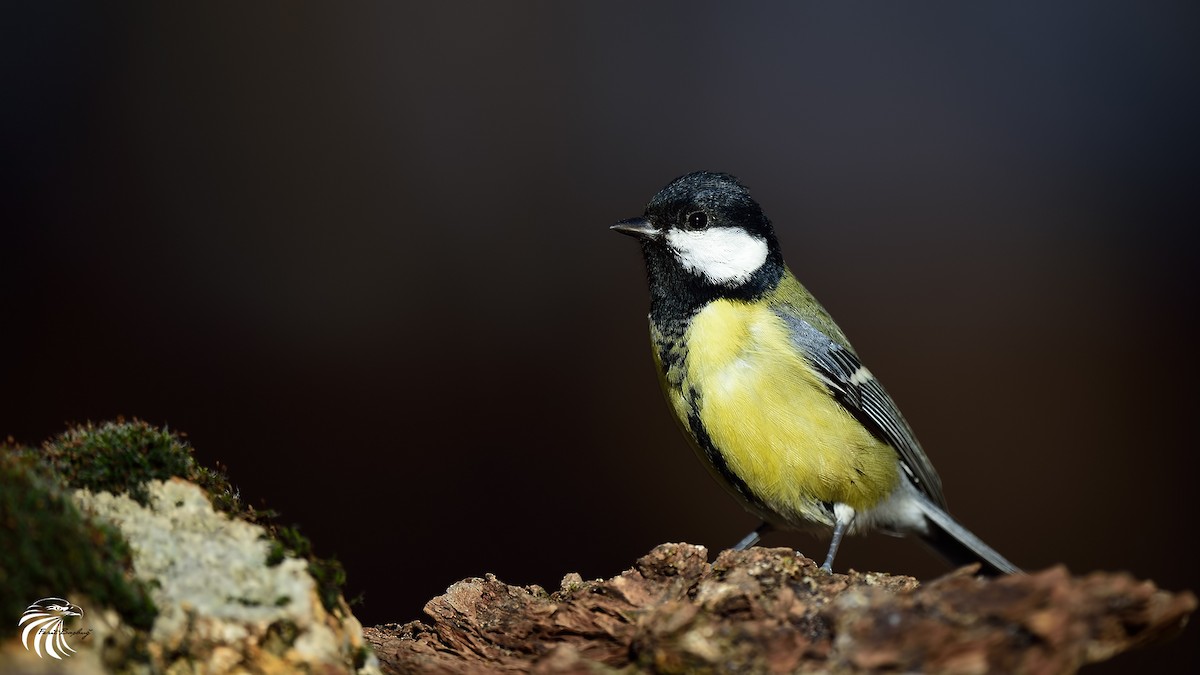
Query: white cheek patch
{"x": 725, "y": 255}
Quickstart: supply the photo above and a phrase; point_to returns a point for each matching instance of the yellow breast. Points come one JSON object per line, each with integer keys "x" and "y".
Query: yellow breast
{"x": 772, "y": 419}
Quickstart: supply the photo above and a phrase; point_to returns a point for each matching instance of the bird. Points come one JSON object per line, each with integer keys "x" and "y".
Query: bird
{"x": 768, "y": 390}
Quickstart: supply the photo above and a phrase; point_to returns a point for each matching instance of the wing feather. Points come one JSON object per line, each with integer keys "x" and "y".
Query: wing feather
{"x": 865, "y": 398}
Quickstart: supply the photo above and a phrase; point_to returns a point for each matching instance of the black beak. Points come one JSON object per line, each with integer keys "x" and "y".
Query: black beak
{"x": 638, "y": 227}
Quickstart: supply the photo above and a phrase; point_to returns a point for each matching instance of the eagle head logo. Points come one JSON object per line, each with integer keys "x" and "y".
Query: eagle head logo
{"x": 43, "y": 623}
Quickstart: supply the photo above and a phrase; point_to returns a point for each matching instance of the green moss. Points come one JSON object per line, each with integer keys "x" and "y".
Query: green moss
{"x": 48, "y": 548}
{"x": 276, "y": 554}
{"x": 331, "y": 578}
{"x": 294, "y": 542}
{"x": 327, "y": 572}
{"x": 360, "y": 656}
{"x": 119, "y": 457}
{"x": 226, "y": 498}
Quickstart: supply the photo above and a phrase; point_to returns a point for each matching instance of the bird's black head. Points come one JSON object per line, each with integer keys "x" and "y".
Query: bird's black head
{"x": 704, "y": 238}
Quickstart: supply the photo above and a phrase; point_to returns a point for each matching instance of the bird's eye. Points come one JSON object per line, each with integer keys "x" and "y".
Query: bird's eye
{"x": 697, "y": 220}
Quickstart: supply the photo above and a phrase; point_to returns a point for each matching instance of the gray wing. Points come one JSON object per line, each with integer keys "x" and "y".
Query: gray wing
{"x": 861, "y": 394}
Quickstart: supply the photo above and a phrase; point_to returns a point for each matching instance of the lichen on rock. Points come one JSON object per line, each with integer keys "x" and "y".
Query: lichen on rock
{"x": 212, "y": 585}
{"x": 170, "y": 583}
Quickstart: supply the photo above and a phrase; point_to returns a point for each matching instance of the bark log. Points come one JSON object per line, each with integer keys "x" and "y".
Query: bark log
{"x": 771, "y": 610}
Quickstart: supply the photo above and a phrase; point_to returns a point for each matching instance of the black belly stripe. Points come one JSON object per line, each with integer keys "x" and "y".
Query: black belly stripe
{"x": 716, "y": 458}
{"x": 673, "y": 357}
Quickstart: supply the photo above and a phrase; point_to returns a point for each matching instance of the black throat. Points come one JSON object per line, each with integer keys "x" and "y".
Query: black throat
{"x": 677, "y": 294}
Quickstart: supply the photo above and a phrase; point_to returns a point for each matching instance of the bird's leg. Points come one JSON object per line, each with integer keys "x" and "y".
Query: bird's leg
{"x": 843, "y": 516}
{"x": 752, "y": 538}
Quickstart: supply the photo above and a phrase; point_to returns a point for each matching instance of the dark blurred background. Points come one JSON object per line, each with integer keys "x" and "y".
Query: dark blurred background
{"x": 360, "y": 256}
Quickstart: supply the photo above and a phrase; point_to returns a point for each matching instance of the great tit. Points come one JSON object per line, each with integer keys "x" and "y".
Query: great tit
{"x": 768, "y": 390}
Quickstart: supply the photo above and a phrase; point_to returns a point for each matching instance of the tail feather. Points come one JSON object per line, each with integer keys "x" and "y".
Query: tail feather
{"x": 958, "y": 545}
